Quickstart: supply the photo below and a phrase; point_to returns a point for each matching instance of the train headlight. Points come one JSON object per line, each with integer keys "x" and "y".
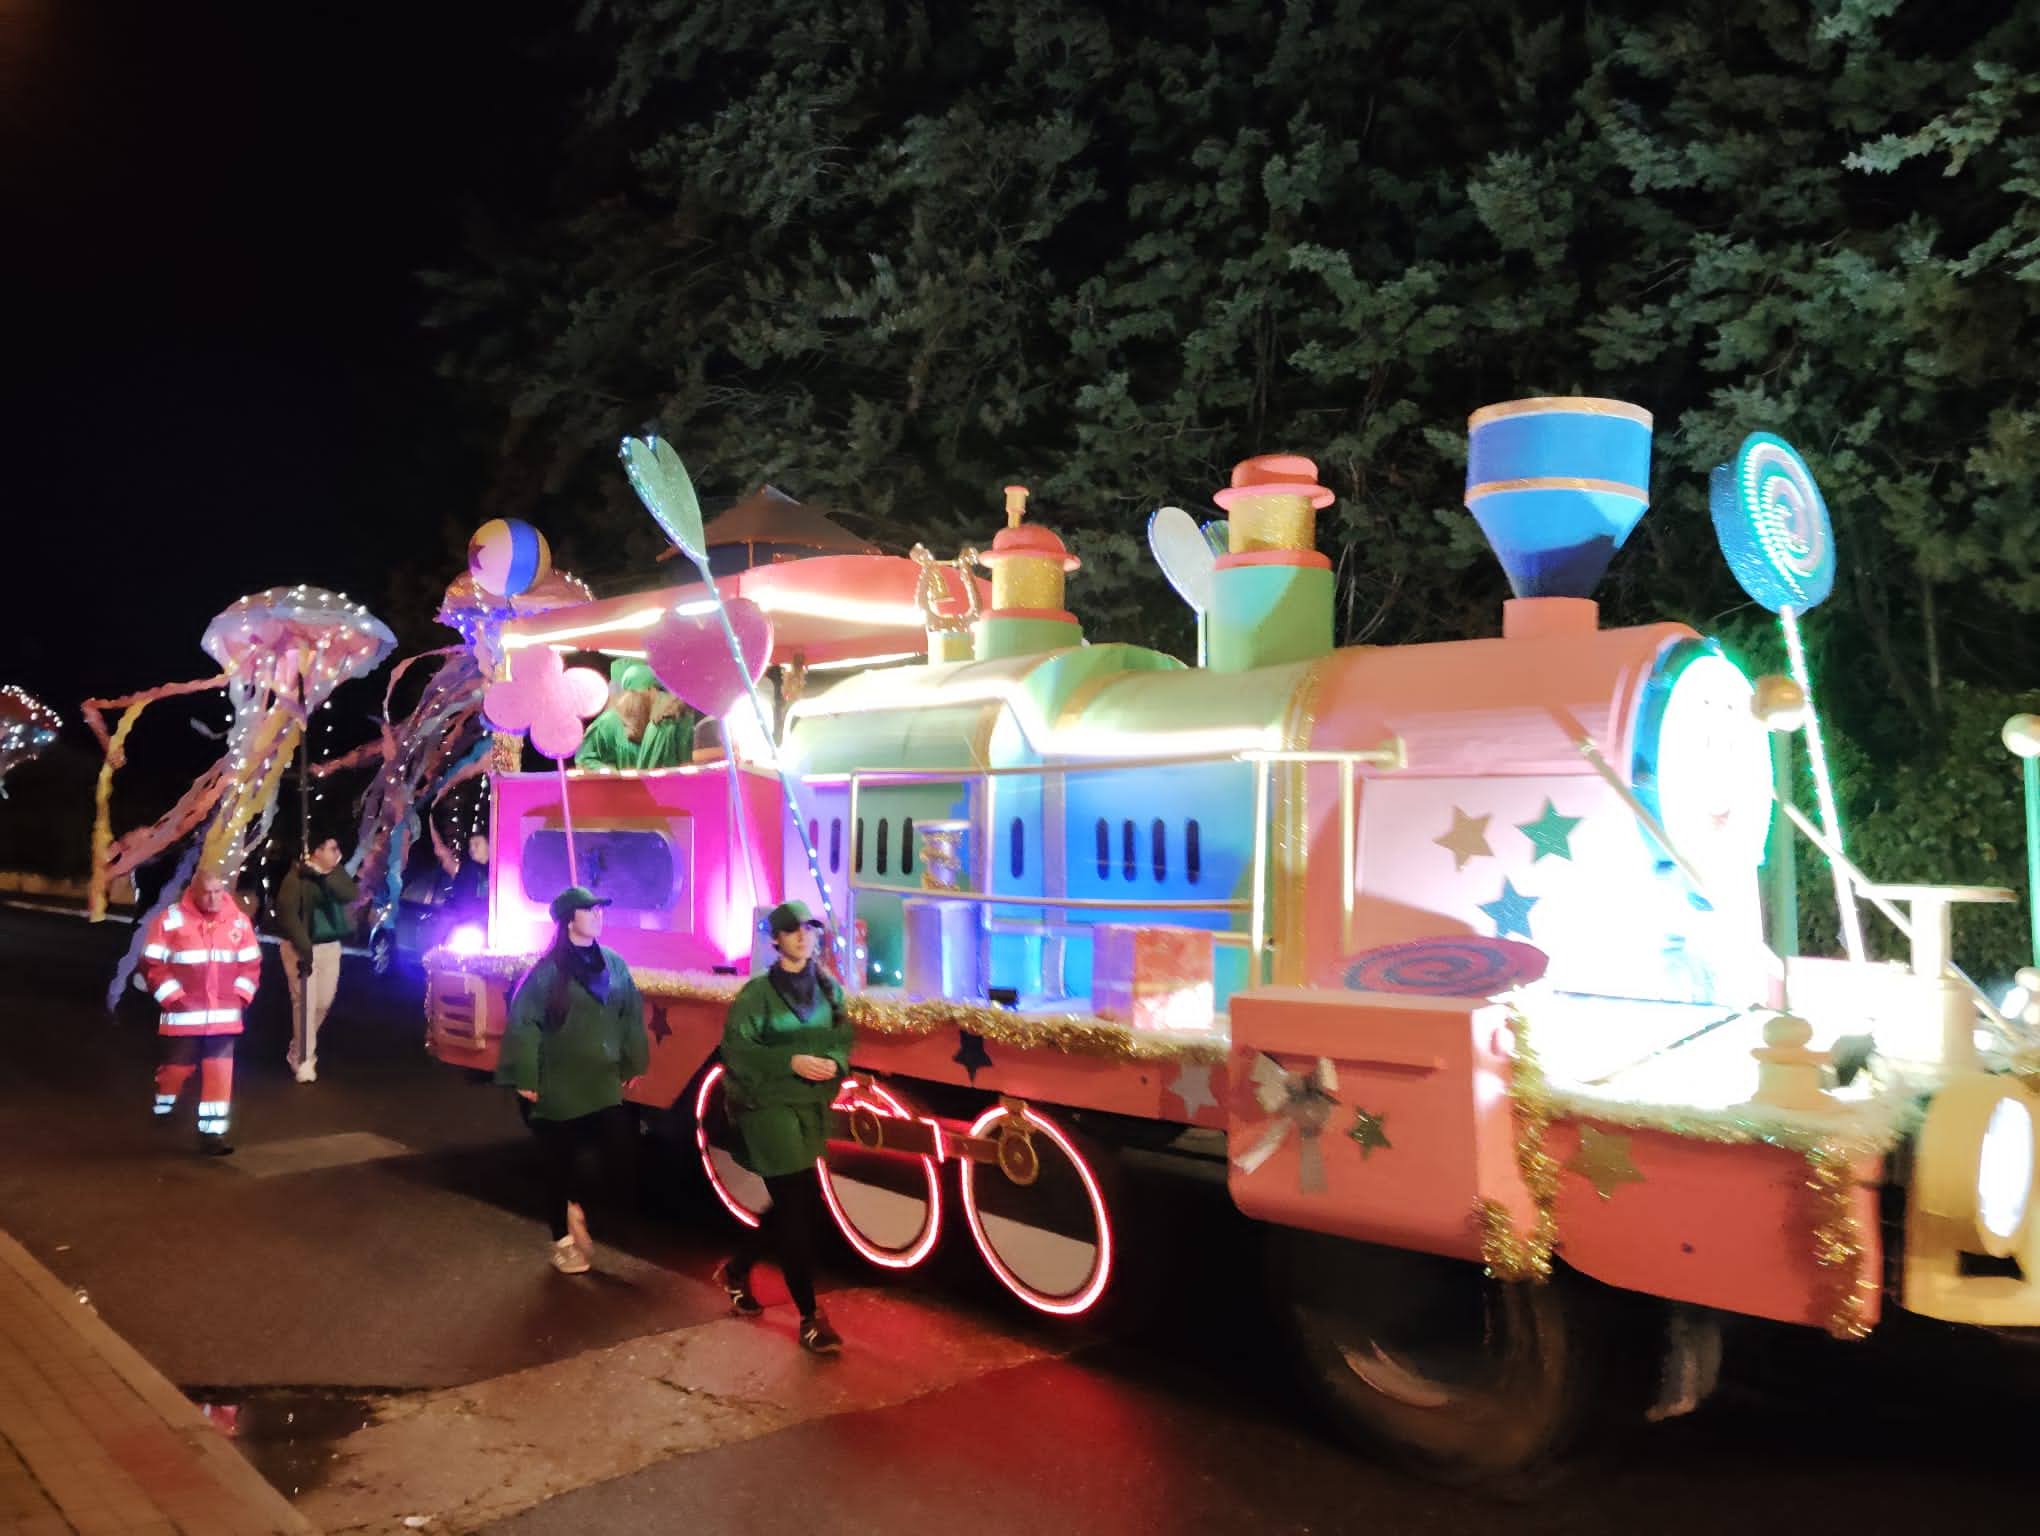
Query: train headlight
{"x": 2004, "y": 1170}
{"x": 1974, "y": 1166}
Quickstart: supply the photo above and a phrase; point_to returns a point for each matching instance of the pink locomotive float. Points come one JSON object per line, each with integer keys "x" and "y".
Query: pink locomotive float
{"x": 1451, "y": 956}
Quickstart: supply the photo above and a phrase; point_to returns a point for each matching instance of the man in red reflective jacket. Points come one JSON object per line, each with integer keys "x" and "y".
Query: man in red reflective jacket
{"x": 203, "y": 963}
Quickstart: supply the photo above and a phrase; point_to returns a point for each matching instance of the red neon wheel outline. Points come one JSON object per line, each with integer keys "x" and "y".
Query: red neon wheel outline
{"x": 1058, "y": 1306}
{"x": 923, "y": 1245}
{"x": 730, "y": 1202}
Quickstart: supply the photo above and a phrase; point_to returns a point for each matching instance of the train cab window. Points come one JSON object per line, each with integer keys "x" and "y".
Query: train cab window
{"x": 907, "y": 846}
{"x": 884, "y": 827}
{"x": 1016, "y": 848}
{"x": 857, "y": 847}
{"x": 1104, "y": 849}
{"x": 1193, "y": 864}
{"x": 1158, "y": 849}
{"x": 835, "y": 844}
{"x": 1126, "y": 859}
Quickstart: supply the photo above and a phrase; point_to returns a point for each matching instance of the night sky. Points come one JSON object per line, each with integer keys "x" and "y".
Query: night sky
{"x": 216, "y": 376}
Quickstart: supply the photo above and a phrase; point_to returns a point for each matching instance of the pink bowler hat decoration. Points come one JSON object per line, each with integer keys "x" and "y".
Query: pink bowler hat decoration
{"x": 547, "y": 698}
{"x": 690, "y": 654}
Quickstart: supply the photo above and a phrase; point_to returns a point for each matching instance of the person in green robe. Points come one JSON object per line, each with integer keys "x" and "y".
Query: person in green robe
{"x": 643, "y": 728}
{"x": 575, "y": 1040}
{"x": 786, "y": 1045}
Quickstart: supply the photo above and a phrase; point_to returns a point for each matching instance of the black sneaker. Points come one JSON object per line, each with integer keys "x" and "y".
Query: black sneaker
{"x": 818, "y": 1338}
{"x": 215, "y": 1146}
{"x": 742, "y": 1302}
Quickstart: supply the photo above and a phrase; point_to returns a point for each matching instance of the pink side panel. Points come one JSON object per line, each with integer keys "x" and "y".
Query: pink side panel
{"x": 1727, "y": 1226}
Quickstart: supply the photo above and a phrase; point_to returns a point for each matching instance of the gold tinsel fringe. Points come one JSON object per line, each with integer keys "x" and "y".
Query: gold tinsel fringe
{"x": 890, "y": 1016}
{"x": 1838, "y": 1243}
{"x": 1508, "y": 1254}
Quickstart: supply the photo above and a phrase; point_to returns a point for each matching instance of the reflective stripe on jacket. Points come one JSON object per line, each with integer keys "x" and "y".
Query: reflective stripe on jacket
{"x": 201, "y": 970}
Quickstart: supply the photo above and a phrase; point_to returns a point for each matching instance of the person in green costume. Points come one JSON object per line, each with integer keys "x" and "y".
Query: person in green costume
{"x": 786, "y": 1043}
{"x": 575, "y": 1039}
{"x": 644, "y": 726}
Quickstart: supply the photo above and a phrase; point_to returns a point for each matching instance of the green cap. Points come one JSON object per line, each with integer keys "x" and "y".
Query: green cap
{"x": 575, "y": 898}
{"x": 790, "y": 915}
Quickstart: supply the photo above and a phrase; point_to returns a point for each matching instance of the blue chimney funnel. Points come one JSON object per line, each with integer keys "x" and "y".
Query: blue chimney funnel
{"x": 1557, "y": 484}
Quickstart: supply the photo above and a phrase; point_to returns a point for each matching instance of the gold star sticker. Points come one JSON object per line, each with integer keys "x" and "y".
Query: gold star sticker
{"x": 1467, "y": 839}
{"x": 1367, "y": 1132}
{"x": 1603, "y": 1161}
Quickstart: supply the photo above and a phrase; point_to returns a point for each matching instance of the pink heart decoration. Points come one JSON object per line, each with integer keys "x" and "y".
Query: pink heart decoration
{"x": 547, "y": 698}
{"x": 691, "y": 656}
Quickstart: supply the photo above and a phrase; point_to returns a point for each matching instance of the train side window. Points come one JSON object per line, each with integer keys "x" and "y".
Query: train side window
{"x": 857, "y": 847}
{"x": 835, "y": 844}
{"x": 814, "y": 834}
{"x": 884, "y": 827}
{"x": 1016, "y": 848}
{"x": 1158, "y": 848}
{"x": 1193, "y": 863}
{"x": 1104, "y": 849}
{"x": 907, "y": 845}
{"x": 1126, "y": 860}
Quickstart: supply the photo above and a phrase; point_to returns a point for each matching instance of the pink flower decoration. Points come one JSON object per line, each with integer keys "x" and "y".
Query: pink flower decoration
{"x": 546, "y": 697}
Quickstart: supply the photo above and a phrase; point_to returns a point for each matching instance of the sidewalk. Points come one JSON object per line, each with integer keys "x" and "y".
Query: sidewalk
{"x": 94, "y": 1441}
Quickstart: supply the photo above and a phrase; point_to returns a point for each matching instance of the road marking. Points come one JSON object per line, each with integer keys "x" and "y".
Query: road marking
{"x": 309, "y": 1154}
{"x": 473, "y": 1455}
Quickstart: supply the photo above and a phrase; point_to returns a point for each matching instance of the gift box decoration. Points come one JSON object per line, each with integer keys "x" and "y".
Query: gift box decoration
{"x": 1152, "y": 977}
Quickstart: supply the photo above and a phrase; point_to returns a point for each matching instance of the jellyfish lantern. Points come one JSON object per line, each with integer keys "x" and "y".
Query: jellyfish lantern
{"x": 27, "y": 726}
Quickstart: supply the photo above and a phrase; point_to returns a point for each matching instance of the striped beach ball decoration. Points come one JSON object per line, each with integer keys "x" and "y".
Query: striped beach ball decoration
{"x": 508, "y": 557}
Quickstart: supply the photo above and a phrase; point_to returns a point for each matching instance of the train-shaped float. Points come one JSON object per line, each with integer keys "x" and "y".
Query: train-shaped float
{"x": 1452, "y": 957}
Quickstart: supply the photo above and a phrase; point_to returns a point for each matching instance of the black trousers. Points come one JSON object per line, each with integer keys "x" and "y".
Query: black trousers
{"x": 787, "y": 1235}
{"x": 606, "y": 1134}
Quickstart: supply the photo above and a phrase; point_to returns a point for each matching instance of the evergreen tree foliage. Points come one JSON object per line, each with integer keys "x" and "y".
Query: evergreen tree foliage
{"x": 893, "y": 255}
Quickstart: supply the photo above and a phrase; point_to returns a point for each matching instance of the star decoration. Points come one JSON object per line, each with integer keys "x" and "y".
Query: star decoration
{"x": 1550, "y": 832}
{"x": 1367, "y": 1132}
{"x": 971, "y": 1054}
{"x": 1510, "y": 911}
{"x": 1467, "y": 839}
{"x": 1193, "y": 1087}
{"x": 659, "y": 1029}
{"x": 1603, "y": 1161}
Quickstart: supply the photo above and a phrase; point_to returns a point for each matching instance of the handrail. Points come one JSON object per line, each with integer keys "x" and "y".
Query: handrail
{"x": 1391, "y": 754}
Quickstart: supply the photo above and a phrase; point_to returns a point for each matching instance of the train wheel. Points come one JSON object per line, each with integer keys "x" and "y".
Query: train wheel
{"x": 717, "y": 1142}
{"x": 1463, "y": 1377}
{"x": 888, "y": 1206}
{"x": 1039, "y": 1217}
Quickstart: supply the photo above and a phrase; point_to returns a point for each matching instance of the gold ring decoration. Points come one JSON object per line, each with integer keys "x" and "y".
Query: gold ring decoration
{"x": 1559, "y": 405}
{"x": 1554, "y": 483}
{"x": 1018, "y": 1160}
{"x": 866, "y": 1129}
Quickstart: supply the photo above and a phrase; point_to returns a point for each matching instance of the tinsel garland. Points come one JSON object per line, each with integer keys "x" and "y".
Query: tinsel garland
{"x": 1508, "y": 1254}
{"x": 890, "y": 1015}
{"x": 1838, "y": 1243}
{"x": 1835, "y": 1233}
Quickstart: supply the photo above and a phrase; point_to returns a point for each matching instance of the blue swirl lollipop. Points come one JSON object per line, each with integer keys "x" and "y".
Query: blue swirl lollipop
{"x": 1772, "y": 525}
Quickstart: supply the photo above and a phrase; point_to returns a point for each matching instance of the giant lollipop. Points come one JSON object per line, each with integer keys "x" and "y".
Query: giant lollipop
{"x": 663, "y": 485}
{"x": 1773, "y": 529}
{"x": 27, "y": 725}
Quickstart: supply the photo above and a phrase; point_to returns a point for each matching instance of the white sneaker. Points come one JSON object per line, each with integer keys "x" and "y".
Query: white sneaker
{"x": 577, "y": 1229}
{"x": 568, "y": 1259}
{"x": 307, "y": 1073}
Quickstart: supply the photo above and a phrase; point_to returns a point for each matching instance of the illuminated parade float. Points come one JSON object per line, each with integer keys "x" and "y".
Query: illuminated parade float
{"x": 1451, "y": 958}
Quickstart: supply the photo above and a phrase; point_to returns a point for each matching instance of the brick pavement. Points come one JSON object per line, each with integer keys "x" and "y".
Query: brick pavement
{"x": 95, "y": 1442}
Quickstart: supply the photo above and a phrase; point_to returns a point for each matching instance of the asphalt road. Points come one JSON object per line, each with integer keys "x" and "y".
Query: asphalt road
{"x": 418, "y": 1264}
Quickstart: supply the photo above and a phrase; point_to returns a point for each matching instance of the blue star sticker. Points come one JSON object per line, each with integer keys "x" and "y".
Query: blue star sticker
{"x": 1511, "y": 911}
{"x": 1550, "y": 832}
